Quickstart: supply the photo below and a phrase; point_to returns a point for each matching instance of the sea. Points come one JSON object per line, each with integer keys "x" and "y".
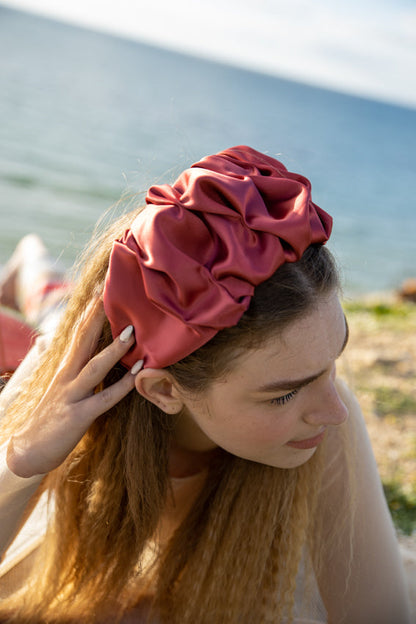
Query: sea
{"x": 89, "y": 119}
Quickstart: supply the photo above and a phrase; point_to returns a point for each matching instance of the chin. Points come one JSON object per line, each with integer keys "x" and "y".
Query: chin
{"x": 293, "y": 459}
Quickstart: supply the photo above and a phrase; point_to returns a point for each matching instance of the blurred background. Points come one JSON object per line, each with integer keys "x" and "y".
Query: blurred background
{"x": 99, "y": 100}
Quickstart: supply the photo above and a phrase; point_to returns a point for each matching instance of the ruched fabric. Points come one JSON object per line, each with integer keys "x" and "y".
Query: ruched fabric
{"x": 188, "y": 265}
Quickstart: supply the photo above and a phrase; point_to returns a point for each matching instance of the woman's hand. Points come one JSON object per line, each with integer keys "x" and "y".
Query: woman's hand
{"x": 70, "y": 406}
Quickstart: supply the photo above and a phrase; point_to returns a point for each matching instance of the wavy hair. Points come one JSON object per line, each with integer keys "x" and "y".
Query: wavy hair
{"x": 236, "y": 555}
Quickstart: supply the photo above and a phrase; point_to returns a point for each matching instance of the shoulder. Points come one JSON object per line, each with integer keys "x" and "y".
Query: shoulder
{"x": 352, "y": 499}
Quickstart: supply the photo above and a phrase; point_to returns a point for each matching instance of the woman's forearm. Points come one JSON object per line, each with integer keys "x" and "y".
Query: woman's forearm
{"x": 15, "y": 494}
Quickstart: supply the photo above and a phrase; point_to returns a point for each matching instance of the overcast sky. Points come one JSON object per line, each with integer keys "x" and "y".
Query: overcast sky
{"x": 365, "y": 47}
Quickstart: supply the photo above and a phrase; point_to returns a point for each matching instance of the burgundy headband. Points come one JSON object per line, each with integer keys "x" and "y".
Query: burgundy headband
{"x": 188, "y": 265}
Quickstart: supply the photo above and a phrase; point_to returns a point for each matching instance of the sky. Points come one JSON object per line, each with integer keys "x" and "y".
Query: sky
{"x": 363, "y": 47}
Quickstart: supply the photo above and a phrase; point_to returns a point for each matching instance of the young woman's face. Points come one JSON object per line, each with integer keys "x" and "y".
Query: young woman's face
{"x": 276, "y": 404}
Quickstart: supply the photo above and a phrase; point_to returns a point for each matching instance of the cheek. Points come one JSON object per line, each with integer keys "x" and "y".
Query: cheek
{"x": 258, "y": 434}
{"x": 259, "y": 426}
{"x": 271, "y": 428}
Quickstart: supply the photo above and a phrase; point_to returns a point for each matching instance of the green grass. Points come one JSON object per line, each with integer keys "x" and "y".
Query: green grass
{"x": 380, "y": 310}
{"x": 402, "y": 507}
{"x": 393, "y": 402}
{"x": 383, "y": 315}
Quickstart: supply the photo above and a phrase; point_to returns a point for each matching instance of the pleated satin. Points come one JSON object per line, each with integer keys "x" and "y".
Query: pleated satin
{"x": 188, "y": 265}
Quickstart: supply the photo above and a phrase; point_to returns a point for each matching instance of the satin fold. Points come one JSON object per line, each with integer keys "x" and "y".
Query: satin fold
{"x": 188, "y": 265}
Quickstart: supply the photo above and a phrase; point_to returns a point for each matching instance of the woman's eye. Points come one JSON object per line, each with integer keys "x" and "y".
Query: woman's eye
{"x": 282, "y": 400}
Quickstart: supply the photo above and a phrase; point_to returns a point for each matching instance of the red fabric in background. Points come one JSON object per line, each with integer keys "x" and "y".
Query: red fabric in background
{"x": 16, "y": 338}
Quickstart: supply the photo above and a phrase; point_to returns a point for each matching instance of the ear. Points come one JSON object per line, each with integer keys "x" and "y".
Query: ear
{"x": 157, "y": 386}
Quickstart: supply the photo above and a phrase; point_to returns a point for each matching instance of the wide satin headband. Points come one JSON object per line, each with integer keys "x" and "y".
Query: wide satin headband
{"x": 188, "y": 265}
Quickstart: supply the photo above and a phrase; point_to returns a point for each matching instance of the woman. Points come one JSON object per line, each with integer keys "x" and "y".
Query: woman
{"x": 227, "y": 475}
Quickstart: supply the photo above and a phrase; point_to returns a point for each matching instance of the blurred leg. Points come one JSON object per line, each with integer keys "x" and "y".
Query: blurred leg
{"x": 33, "y": 283}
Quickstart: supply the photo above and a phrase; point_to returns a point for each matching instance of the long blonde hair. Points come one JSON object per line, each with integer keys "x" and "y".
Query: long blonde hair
{"x": 235, "y": 556}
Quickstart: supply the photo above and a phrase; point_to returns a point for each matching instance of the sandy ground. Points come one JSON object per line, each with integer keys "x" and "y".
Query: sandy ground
{"x": 380, "y": 366}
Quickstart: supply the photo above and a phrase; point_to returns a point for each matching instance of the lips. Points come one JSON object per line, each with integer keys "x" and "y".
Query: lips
{"x": 307, "y": 443}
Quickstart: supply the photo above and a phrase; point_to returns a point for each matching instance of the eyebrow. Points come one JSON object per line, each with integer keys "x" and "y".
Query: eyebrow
{"x": 296, "y": 384}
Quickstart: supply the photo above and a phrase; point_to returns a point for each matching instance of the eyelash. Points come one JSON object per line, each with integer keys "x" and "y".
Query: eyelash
{"x": 284, "y": 399}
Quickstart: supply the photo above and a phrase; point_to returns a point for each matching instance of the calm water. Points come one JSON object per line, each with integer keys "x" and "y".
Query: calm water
{"x": 88, "y": 117}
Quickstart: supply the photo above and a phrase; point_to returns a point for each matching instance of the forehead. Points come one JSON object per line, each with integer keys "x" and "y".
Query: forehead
{"x": 305, "y": 347}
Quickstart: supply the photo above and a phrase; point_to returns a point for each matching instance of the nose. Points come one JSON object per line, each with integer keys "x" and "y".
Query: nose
{"x": 327, "y": 407}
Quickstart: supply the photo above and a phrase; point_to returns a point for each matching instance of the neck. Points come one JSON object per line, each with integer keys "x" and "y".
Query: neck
{"x": 184, "y": 462}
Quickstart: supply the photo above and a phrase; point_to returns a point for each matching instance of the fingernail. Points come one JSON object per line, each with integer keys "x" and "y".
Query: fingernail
{"x": 136, "y": 367}
{"x": 126, "y": 333}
